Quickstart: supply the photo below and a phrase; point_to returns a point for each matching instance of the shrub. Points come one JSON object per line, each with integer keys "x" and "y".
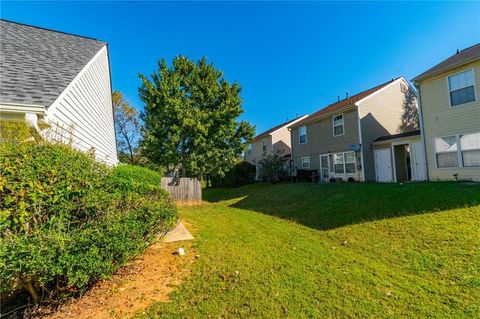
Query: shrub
{"x": 272, "y": 167}
{"x": 67, "y": 220}
{"x": 138, "y": 174}
{"x": 242, "y": 173}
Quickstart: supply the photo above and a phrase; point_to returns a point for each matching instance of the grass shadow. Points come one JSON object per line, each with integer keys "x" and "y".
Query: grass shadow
{"x": 328, "y": 206}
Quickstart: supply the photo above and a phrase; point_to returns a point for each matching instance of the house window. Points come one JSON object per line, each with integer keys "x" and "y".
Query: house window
{"x": 470, "y": 148}
{"x": 344, "y": 163}
{"x": 249, "y": 149}
{"x": 461, "y": 88}
{"x": 338, "y": 125}
{"x": 264, "y": 145}
{"x": 306, "y": 162}
{"x": 446, "y": 151}
{"x": 302, "y": 132}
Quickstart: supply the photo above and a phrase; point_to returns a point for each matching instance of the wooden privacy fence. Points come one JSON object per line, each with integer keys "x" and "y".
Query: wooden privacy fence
{"x": 183, "y": 190}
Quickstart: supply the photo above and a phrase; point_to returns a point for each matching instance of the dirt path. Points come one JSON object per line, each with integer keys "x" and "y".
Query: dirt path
{"x": 149, "y": 278}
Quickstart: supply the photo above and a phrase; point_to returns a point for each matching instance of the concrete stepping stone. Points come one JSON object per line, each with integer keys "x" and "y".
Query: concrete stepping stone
{"x": 179, "y": 233}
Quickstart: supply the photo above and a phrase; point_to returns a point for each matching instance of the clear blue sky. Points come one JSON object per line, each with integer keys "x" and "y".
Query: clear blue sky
{"x": 289, "y": 58}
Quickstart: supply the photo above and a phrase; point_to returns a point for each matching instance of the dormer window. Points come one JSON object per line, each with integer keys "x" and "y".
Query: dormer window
{"x": 461, "y": 88}
{"x": 338, "y": 127}
{"x": 302, "y": 133}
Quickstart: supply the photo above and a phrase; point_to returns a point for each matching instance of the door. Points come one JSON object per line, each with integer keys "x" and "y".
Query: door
{"x": 383, "y": 165}
{"x": 419, "y": 162}
{"x": 324, "y": 168}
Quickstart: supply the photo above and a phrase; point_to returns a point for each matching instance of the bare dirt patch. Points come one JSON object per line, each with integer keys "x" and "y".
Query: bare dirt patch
{"x": 149, "y": 278}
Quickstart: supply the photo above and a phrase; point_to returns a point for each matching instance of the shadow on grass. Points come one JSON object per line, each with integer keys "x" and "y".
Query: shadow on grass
{"x": 329, "y": 206}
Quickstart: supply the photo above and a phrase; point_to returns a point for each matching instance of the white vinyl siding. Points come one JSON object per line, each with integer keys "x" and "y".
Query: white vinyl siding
{"x": 461, "y": 88}
{"x": 302, "y": 133}
{"x": 338, "y": 125}
{"x": 306, "y": 162}
{"x": 83, "y": 113}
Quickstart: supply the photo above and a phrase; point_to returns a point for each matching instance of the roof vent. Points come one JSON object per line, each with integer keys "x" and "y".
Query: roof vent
{"x": 338, "y": 98}
{"x": 346, "y": 96}
{"x": 458, "y": 51}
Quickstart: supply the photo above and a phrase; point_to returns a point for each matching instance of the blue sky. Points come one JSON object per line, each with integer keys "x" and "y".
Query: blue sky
{"x": 289, "y": 58}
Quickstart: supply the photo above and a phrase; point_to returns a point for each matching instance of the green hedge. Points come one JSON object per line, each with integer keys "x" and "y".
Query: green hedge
{"x": 67, "y": 220}
{"x": 242, "y": 173}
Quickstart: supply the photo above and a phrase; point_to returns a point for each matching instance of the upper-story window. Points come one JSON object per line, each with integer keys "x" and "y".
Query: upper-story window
{"x": 338, "y": 127}
{"x": 461, "y": 87}
{"x": 249, "y": 149}
{"x": 264, "y": 145}
{"x": 302, "y": 133}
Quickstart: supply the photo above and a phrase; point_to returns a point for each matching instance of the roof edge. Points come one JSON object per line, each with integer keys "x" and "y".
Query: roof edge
{"x": 52, "y": 30}
{"x": 324, "y": 116}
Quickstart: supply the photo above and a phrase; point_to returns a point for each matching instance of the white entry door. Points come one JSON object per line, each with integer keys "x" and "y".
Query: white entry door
{"x": 419, "y": 162}
{"x": 383, "y": 165}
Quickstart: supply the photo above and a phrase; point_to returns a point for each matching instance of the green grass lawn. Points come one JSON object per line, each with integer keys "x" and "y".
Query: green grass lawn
{"x": 338, "y": 250}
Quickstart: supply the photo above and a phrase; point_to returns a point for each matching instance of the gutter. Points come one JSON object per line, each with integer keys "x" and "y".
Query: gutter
{"x": 422, "y": 129}
{"x": 30, "y": 112}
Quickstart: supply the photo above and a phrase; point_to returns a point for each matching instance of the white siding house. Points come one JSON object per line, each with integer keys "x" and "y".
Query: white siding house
{"x": 58, "y": 79}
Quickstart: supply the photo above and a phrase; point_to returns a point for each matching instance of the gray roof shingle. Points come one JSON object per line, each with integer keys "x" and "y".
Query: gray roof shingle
{"x": 36, "y": 64}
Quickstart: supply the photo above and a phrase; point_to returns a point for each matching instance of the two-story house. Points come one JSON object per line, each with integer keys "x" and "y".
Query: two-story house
{"x": 276, "y": 139}
{"x": 450, "y": 113}
{"x": 337, "y": 142}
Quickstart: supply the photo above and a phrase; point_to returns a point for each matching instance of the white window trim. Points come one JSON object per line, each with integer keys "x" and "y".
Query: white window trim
{"x": 344, "y": 164}
{"x": 264, "y": 145}
{"x": 459, "y": 152}
{"x": 306, "y": 135}
{"x": 307, "y": 158}
{"x": 343, "y": 124}
{"x": 474, "y": 89}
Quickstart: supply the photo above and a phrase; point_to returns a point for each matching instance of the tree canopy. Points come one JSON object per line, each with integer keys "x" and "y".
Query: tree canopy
{"x": 127, "y": 128}
{"x": 191, "y": 118}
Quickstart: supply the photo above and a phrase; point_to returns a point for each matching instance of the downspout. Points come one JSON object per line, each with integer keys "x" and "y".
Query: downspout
{"x": 422, "y": 129}
{"x": 292, "y": 156}
{"x": 361, "y": 141}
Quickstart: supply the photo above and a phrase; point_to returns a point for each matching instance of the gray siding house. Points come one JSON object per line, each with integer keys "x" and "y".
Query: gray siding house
{"x": 273, "y": 140}
{"x": 337, "y": 141}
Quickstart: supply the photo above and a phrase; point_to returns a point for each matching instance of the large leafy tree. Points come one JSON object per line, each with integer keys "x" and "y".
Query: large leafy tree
{"x": 191, "y": 118}
{"x": 127, "y": 128}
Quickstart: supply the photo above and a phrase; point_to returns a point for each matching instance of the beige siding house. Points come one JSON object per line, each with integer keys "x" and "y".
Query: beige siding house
{"x": 336, "y": 142}
{"x": 450, "y": 109}
{"x": 276, "y": 139}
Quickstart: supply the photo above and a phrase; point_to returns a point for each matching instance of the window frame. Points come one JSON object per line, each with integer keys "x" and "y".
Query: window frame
{"x": 249, "y": 149}
{"x": 459, "y": 152}
{"x": 302, "y": 162}
{"x": 343, "y": 124}
{"x": 344, "y": 163}
{"x": 300, "y": 135}
{"x": 449, "y": 91}
{"x": 264, "y": 145}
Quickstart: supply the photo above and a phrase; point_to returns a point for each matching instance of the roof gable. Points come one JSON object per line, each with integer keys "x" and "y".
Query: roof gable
{"x": 38, "y": 64}
{"x": 275, "y": 128}
{"x": 464, "y": 56}
{"x": 343, "y": 104}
